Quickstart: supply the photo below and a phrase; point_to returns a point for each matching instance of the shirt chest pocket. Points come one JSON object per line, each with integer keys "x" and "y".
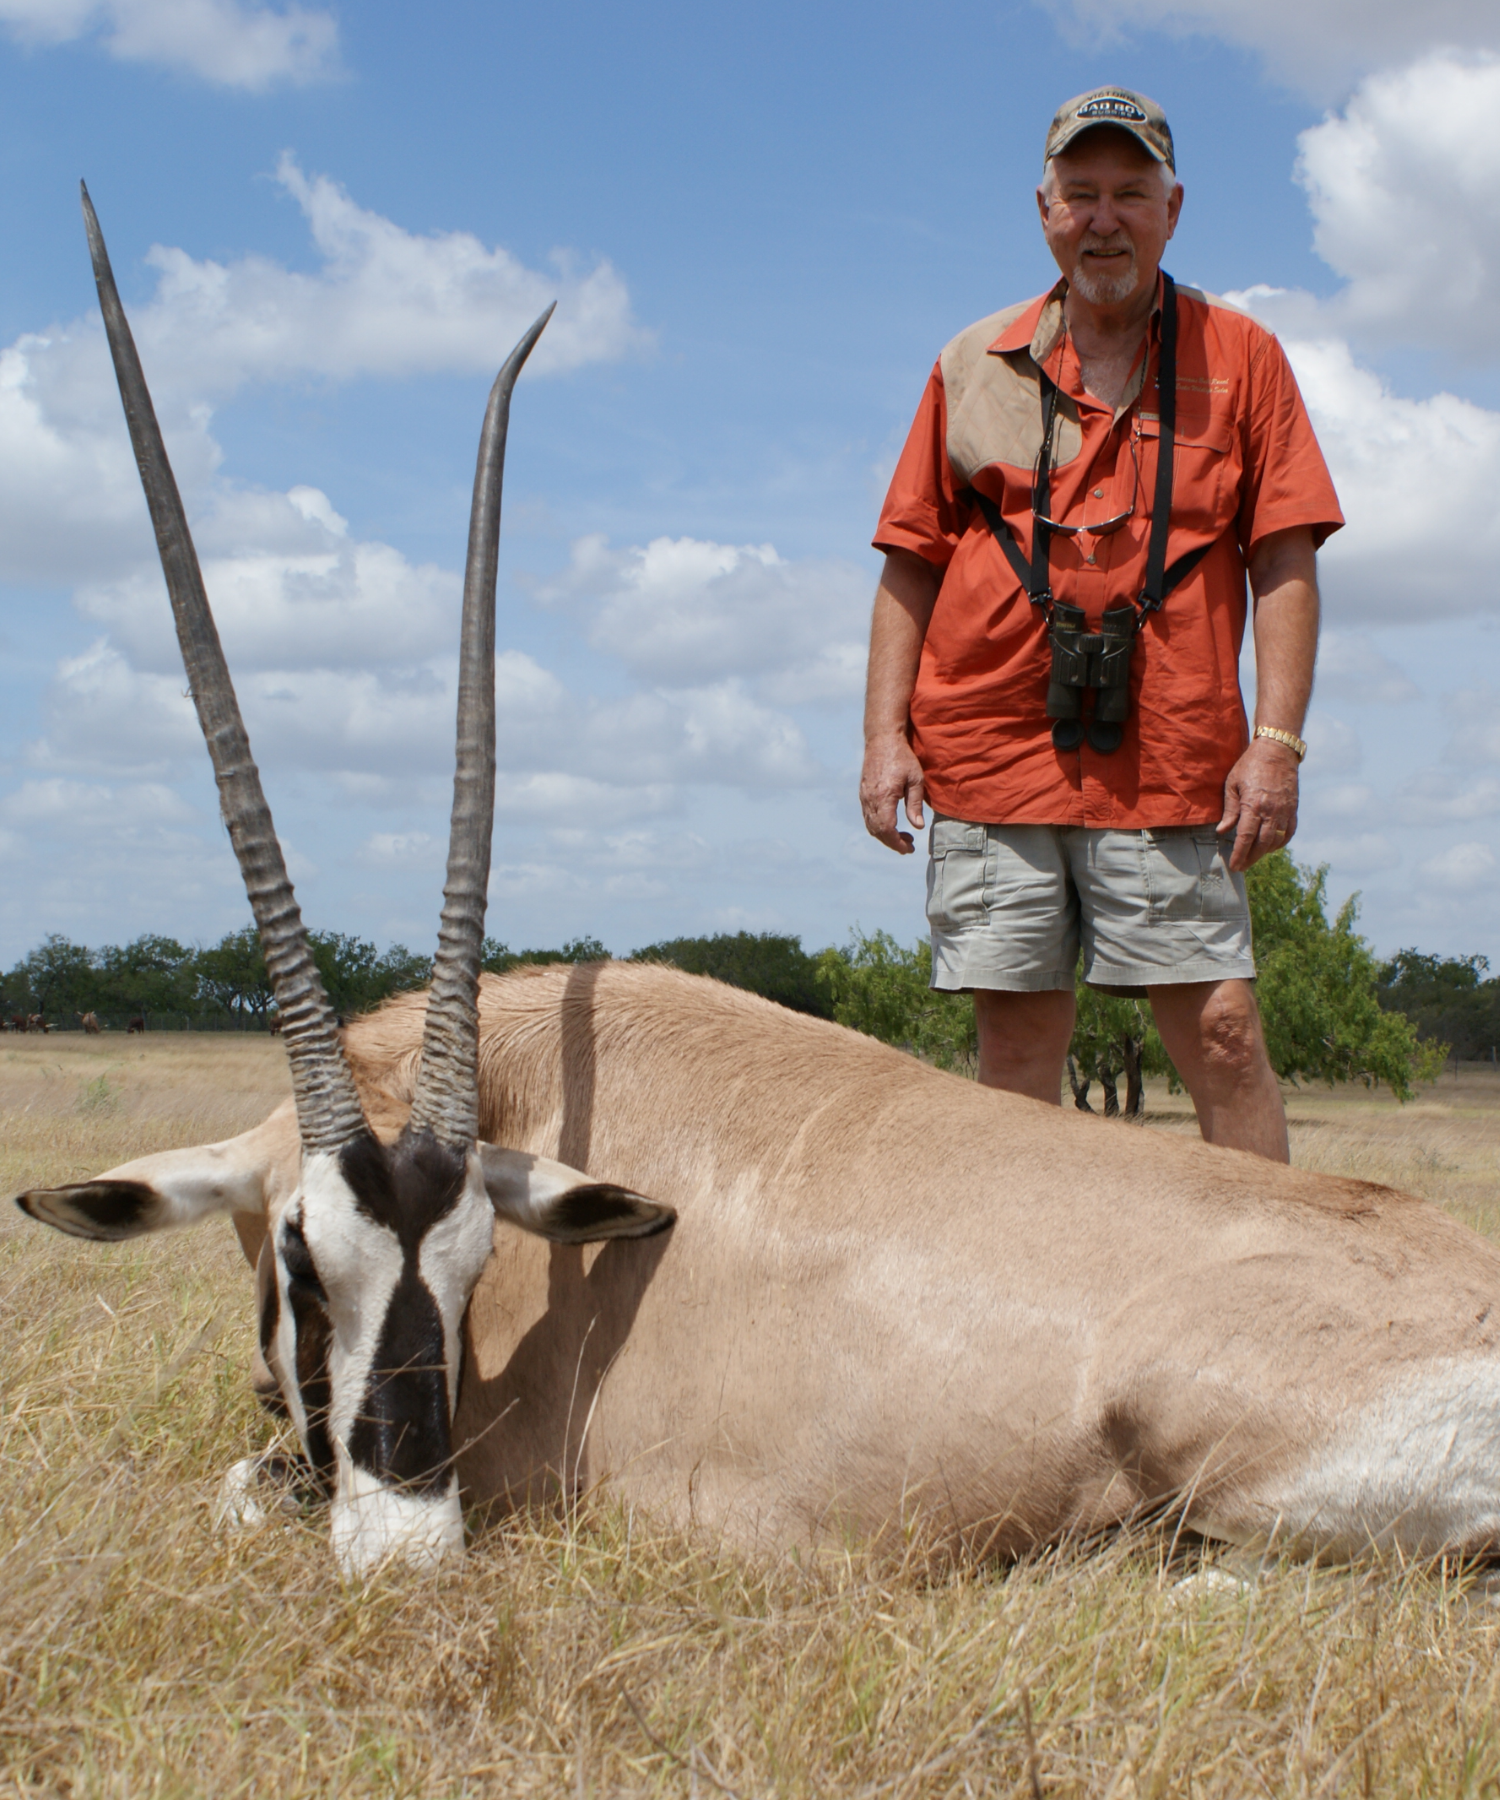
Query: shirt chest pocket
{"x": 1205, "y": 468}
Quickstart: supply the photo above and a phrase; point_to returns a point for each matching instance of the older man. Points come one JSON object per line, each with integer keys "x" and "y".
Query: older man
{"x": 1054, "y": 652}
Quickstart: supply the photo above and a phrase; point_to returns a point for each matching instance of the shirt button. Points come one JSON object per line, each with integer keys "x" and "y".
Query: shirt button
{"x": 1090, "y": 557}
{"x": 1098, "y": 493}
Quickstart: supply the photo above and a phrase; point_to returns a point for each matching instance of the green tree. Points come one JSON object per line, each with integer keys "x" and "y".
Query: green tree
{"x": 1113, "y": 1036}
{"x": 56, "y": 979}
{"x": 149, "y": 975}
{"x": 1319, "y": 988}
{"x": 232, "y": 977}
{"x": 347, "y": 967}
{"x": 765, "y": 963}
{"x": 497, "y": 958}
{"x": 876, "y": 986}
{"x": 399, "y": 970}
{"x": 1447, "y": 998}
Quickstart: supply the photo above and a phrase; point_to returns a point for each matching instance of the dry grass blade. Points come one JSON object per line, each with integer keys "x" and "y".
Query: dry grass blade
{"x": 693, "y": 1761}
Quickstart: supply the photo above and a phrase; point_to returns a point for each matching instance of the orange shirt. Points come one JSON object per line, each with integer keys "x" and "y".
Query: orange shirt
{"x": 1246, "y": 464}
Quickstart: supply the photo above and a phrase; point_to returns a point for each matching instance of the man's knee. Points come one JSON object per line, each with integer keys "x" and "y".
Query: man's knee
{"x": 1229, "y": 1034}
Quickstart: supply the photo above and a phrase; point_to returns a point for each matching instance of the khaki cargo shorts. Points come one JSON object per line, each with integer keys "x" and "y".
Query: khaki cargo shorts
{"x": 1010, "y": 906}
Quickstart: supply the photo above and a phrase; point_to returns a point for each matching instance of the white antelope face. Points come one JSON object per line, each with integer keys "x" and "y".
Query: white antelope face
{"x": 379, "y": 1247}
{"x": 376, "y": 1258}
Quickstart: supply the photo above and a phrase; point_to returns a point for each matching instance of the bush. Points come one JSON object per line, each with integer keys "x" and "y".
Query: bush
{"x": 1113, "y": 1037}
{"x": 879, "y": 988}
{"x": 497, "y": 958}
{"x": 1319, "y": 988}
{"x": 777, "y": 967}
{"x": 1447, "y": 999}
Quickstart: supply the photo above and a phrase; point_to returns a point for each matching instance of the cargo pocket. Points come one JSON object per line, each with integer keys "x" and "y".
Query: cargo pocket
{"x": 956, "y": 875}
{"x": 1188, "y": 878}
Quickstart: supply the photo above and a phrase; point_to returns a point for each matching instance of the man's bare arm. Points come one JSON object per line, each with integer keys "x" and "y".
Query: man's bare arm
{"x": 903, "y": 605}
{"x": 1260, "y": 795}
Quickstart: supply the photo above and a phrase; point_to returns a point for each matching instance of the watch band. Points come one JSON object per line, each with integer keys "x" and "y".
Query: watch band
{"x": 1296, "y": 745}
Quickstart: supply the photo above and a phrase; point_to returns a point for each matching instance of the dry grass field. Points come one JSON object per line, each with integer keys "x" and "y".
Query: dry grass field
{"x": 144, "y": 1654}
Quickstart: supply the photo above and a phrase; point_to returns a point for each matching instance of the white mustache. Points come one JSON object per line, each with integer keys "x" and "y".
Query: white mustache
{"x": 1106, "y": 246}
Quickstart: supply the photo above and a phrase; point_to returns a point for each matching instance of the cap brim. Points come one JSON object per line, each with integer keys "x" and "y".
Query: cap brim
{"x": 1084, "y": 126}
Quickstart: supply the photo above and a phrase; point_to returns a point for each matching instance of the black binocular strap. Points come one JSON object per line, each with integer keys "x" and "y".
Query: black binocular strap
{"x": 1160, "y": 579}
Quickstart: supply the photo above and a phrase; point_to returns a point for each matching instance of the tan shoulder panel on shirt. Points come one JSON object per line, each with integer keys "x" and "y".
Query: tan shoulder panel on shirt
{"x": 994, "y": 403}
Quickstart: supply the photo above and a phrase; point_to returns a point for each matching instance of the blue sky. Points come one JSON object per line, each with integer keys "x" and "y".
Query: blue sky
{"x": 329, "y": 226}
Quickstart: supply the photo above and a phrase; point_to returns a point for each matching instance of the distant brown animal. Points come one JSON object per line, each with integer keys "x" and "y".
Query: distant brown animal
{"x": 16, "y": 1022}
{"x": 135, "y": 1025}
{"x": 274, "y": 1024}
{"x": 37, "y": 1022}
{"x": 90, "y": 1023}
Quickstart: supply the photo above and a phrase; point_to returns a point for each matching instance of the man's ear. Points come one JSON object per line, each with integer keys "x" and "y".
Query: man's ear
{"x": 564, "y": 1205}
{"x": 175, "y": 1188}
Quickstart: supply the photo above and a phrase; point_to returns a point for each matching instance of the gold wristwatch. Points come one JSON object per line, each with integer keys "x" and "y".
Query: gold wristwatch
{"x": 1293, "y": 743}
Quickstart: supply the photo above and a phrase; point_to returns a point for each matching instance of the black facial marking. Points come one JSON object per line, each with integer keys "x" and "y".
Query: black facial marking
{"x": 402, "y": 1433}
{"x": 587, "y": 1214}
{"x": 101, "y": 1210}
{"x": 408, "y": 1187}
{"x": 296, "y": 1258}
{"x": 314, "y": 1332}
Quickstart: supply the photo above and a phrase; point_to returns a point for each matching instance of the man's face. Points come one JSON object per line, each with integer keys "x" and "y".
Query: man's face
{"x": 1109, "y": 216}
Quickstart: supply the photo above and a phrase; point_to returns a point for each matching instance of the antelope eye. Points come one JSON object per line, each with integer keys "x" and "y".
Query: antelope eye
{"x": 297, "y": 1260}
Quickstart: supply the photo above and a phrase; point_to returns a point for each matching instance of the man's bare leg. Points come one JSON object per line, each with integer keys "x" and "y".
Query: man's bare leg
{"x": 1023, "y": 1041}
{"x": 1211, "y": 1030}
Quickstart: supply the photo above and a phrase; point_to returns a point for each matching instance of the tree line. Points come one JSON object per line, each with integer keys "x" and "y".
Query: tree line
{"x": 1332, "y": 1010}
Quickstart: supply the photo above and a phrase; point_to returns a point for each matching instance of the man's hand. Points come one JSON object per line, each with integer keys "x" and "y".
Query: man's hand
{"x": 890, "y": 776}
{"x": 1260, "y": 802}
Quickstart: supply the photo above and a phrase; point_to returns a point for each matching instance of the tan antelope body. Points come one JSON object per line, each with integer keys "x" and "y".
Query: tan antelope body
{"x": 892, "y": 1297}
{"x": 891, "y": 1292}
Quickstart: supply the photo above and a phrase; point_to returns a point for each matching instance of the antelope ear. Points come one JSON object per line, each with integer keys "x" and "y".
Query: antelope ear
{"x": 104, "y": 1210}
{"x": 173, "y": 1188}
{"x": 564, "y": 1205}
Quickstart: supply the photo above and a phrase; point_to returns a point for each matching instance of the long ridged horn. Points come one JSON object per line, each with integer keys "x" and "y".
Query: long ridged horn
{"x": 328, "y": 1109}
{"x": 446, "y": 1101}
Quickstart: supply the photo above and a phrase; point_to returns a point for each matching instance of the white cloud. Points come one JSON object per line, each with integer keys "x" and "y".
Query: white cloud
{"x": 1352, "y": 668}
{"x": 384, "y": 302}
{"x": 1475, "y": 713}
{"x": 402, "y": 849}
{"x": 1404, "y": 187}
{"x": 230, "y": 43}
{"x": 1441, "y": 796}
{"x": 325, "y": 602}
{"x": 1463, "y": 866}
{"x": 1405, "y": 470}
{"x": 685, "y": 610}
{"x": 551, "y": 795}
{"x": 1363, "y": 853}
{"x": 1333, "y": 748}
{"x": 1351, "y": 801}
{"x": 1313, "y": 47}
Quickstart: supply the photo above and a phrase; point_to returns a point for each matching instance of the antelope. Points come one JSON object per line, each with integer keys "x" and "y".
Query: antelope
{"x": 90, "y": 1023}
{"x": 862, "y": 1296}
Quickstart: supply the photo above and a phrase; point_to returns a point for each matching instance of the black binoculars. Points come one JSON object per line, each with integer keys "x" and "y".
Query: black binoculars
{"x": 1096, "y": 661}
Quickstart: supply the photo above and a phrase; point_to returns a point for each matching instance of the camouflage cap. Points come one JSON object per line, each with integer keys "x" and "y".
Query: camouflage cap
{"x": 1117, "y": 106}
